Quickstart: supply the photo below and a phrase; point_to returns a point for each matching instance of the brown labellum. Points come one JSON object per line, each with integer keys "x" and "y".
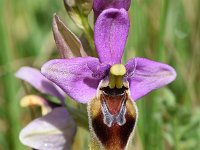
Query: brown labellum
{"x": 112, "y": 116}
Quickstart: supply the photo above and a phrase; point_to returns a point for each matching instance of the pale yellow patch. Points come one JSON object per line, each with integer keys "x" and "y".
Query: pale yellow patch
{"x": 118, "y": 70}
{"x": 130, "y": 107}
{"x": 34, "y": 100}
{"x": 95, "y": 107}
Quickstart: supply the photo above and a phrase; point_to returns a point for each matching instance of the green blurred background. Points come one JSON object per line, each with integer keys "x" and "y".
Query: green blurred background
{"x": 161, "y": 30}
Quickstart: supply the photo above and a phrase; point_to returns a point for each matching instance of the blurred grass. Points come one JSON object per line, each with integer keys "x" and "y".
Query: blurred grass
{"x": 169, "y": 31}
{"x": 161, "y": 30}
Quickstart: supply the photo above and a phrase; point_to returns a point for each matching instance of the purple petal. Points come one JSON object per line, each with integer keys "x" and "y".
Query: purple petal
{"x": 145, "y": 75}
{"x": 38, "y": 81}
{"x": 110, "y": 34}
{"x": 54, "y": 131}
{"x": 74, "y": 76}
{"x": 100, "y": 5}
{"x": 67, "y": 43}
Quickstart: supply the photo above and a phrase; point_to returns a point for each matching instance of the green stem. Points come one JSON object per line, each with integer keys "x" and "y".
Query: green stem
{"x": 89, "y": 34}
{"x": 164, "y": 10}
{"x": 9, "y": 82}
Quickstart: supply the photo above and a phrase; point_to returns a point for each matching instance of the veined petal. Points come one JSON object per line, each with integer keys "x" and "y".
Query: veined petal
{"x": 100, "y": 5}
{"x": 54, "y": 131}
{"x": 67, "y": 43}
{"x": 74, "y": 76}
{"x": 145, "y": 75}
{"x": 38, "y": 81}
{"x": 110, "y": 34}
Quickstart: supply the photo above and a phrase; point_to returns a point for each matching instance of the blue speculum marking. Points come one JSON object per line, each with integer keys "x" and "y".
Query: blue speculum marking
{"x": 119, "y": 118}
{"x": 113, "y": 106}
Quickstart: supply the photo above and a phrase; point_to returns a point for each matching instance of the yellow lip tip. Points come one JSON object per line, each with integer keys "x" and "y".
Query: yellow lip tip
{"x": 118, "y": 70}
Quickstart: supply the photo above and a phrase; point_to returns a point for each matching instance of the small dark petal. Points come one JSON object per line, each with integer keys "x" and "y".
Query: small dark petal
{"x": 99, "y": 70}
{"x": 115, "y": 91}
{"x": 130, "y": 68}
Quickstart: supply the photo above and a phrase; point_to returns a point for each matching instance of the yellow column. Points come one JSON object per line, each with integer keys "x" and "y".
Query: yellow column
{"x": 117, "y": 71}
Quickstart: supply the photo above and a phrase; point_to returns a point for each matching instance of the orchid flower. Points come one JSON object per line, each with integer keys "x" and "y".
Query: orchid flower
{"x": 56, "y": 129}
{"x": 108, "y": 87}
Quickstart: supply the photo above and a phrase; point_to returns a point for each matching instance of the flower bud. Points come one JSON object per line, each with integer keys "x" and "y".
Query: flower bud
{"x": 78, "y": 9}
